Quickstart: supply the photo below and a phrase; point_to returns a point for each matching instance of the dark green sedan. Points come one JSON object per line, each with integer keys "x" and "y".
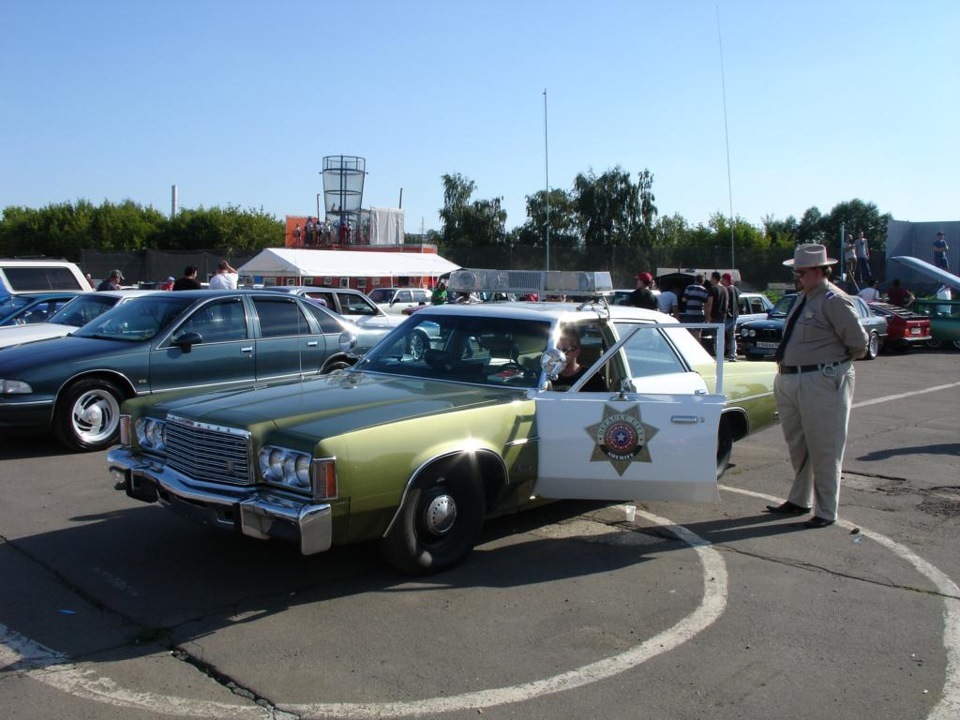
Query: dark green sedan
{"x": 167, "y": 342}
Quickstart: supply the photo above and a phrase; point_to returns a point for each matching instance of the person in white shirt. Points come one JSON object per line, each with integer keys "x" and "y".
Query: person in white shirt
{"x": 226, "y": 277}
{"x": 870, "y": 293}
{"x": 668, "y": 302}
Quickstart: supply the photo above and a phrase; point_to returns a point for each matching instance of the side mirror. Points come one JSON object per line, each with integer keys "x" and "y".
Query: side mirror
{"x": 186, "y": 341}
{"x": 552, "y": 362}
{"x": 348, "y": 341}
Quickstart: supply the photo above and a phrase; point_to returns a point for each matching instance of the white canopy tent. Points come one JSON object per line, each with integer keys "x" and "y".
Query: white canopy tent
{"x": 300, "y": 263}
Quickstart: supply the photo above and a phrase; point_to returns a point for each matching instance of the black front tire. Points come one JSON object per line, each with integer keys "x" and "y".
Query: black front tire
{"x": 88, "y": 415}
{"x": 439, "y": 523}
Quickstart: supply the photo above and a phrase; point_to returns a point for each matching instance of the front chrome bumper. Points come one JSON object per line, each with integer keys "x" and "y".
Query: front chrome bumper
{"x": 260, "y": 513}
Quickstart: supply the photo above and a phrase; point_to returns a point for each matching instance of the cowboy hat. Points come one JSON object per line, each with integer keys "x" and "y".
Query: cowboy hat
{"x": 810, "y": 255}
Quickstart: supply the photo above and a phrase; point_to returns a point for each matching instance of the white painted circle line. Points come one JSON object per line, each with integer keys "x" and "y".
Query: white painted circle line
{"x": 711, "y": 607}
{"x": 57, "y": 672}
{"x": 949, "y": 706}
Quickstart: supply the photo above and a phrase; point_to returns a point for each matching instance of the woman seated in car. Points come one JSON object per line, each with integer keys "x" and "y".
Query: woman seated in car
{"x": 569, "y": 345}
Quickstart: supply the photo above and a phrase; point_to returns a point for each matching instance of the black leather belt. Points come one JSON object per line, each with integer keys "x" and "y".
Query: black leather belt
{"x": 794, "y": 369}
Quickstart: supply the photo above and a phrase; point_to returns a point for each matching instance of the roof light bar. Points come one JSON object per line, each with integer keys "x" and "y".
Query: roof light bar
{"x": 573, "y": 282}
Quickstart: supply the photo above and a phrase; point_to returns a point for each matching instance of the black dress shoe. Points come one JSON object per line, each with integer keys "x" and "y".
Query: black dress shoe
{"x": 788, "y": 508}
{"x": 817, "y": 522}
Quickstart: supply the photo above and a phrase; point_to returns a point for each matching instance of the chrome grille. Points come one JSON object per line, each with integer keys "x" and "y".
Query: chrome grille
{"x": 209, "y": 453}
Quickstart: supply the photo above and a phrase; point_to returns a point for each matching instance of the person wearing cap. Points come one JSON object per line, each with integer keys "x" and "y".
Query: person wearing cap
{"x": 643, "y": 296}
{"x": 112, "y": 282}
{"x": 730, "y": 323}
{"x": 940, "y": 252}
{"x": 814, "y": 385}
{"x": 167, "y": 284}
{"x": 225, "y": 278}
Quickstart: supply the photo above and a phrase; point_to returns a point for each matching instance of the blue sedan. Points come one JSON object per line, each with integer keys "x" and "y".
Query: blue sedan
{"x": 33, "y": 307}
{"x": 168, "y": 342}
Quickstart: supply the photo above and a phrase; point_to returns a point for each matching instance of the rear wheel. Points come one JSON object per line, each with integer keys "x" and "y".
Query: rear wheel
{"x": 88, "y": 415}
{"x": 439, "y": 523}
{"x": 873, "y": 347}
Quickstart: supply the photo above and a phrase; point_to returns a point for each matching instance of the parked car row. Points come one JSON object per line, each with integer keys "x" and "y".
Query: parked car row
{"x": 152, "y": 341}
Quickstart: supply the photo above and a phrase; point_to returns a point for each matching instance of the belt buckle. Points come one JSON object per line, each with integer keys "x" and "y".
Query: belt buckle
{"x": 829, "y": 370}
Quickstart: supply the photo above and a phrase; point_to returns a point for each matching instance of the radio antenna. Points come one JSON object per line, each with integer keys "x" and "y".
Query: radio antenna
{"x": 726, "y": 135}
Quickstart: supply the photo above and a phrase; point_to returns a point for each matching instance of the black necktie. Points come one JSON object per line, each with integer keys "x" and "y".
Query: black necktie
{"x": 788, "y": 330}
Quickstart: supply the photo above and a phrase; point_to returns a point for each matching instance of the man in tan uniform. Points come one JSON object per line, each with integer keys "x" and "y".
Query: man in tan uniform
{"x": 814, "y": 386}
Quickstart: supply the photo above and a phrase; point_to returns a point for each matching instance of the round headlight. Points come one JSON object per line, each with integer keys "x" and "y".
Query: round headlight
{"x": 151, "y": 433}
{"x": 303, "y": 471}
{"x": 271, "y": 464}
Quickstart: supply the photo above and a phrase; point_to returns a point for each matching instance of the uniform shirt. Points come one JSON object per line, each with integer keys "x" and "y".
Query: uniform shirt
{"x": 828, "y": 329}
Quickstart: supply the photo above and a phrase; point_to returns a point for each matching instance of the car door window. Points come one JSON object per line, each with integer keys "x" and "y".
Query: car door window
{"x": 404, "y": 296}
{"x": 649, "y": 353}
{"x": 357, "y": 305}
{"x": 280, "y": 318}
{"x": 218, "y": 321}
{"x": 328, "y": 324}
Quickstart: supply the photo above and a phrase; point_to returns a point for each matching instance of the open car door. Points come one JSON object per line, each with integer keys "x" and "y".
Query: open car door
{"x": 629, "y": 445}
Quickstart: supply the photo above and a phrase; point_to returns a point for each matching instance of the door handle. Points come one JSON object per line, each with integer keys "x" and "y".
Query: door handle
{"x": 312, "y": 343}
{"x": 247, "y": 349}
{"x": 684, "y": 419}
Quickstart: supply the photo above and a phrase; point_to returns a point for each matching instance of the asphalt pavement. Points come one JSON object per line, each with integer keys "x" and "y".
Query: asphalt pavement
{"x": 114, "y": 609}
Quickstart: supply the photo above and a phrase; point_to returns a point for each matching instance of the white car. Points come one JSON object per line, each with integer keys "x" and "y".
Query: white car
{"x": 351, "y": 304}
{"x": 76, "y": 313}
{"x": 394, "y": 300}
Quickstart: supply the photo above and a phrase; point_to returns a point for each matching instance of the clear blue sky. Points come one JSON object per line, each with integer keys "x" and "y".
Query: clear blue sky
{"x": 237, "y": 102}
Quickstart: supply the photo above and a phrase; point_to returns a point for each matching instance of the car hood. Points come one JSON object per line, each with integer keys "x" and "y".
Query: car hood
{"x": 333, "y": 404}
{"x": 67, "y": 350}
{"x": 15, "y": 335}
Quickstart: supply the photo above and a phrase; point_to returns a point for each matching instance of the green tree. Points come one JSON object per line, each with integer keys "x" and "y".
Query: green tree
{"x": 856, "y": 215}
{"x": 608, "y": 207}
{"x": 563, "y": 221}
{"x": 466, "y": 223}
{"x": 810, "y": 228}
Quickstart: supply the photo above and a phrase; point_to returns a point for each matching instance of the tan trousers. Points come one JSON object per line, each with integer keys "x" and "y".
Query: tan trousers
{"x": 814, "y": 412}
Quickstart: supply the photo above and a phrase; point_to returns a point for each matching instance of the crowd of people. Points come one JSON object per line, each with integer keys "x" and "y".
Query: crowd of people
{"x": 225, "y": 278}
{"x": 716, "y": 300}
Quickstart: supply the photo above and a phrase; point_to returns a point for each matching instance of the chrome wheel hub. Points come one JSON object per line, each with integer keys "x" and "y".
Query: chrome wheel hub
{"x": 440, "y": 514}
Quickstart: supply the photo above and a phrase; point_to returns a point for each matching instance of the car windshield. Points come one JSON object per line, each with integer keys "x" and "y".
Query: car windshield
{"x": 84, "y": 308}
{"x": 783, "y": 305}
{"x": 488, "y": 351}
{"x": 13, "y": 303}
{"x": 137, "y": 319}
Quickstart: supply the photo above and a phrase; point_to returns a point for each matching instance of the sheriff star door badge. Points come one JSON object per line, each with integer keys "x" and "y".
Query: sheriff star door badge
{"x": 621, "y": 437}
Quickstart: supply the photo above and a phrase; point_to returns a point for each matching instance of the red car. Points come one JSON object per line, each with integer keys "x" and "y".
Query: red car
{"x": 904, "y": 327}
